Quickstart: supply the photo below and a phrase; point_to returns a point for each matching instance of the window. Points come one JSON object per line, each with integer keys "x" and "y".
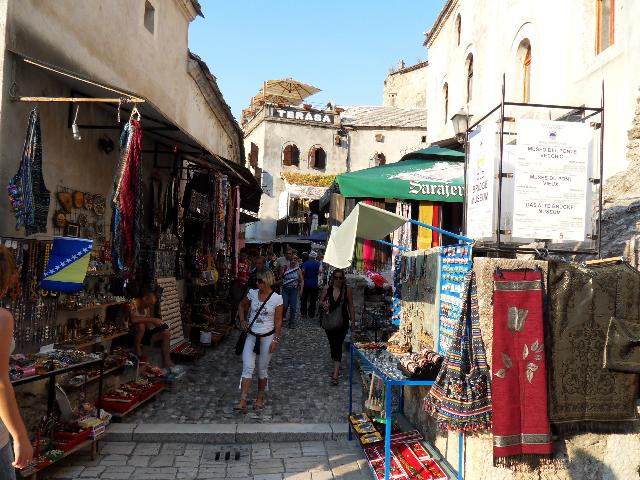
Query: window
{"x": 469, "y": 77}
{"x": 253, "y": 155}
{"x": 458, "y": 28}
{"x": 423, "y": 139}
{"x": 149, "y": 16}
{"x": 445, "y": 94}
{"x": 290, "y": 155}
{"x": 525, "y": 49}
{"x": 605, "y": 24}
{"x": 317, "y": 158}
{"x": 379, "y": 159}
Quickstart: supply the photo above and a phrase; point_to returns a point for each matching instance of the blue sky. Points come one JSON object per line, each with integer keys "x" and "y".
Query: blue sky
{"x": 343, "y": 47}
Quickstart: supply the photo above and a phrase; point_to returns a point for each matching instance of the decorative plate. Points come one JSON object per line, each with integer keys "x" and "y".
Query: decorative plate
{"x": 99, "y": 204}
{"x": 82, "y": 220}
{"x": 59, "y": 219}
{"x": 88, "y": 201}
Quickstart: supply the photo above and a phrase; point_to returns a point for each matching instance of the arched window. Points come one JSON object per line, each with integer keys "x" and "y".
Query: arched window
{"x": 469, "y": 66}
{"x": 445, "y": 95}
{"x": 379, "y": 159}
{"x": 605, "y": 24}
{"x": 524, "y": 60}
{"x": 290, "y": 155}
{"x": 458, "y": 28}
{"x": 317, "y": 158}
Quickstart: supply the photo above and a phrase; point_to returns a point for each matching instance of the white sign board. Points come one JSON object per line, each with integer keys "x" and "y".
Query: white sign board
{"x": 551, "y": 180}
{"x": 480, "y": 185}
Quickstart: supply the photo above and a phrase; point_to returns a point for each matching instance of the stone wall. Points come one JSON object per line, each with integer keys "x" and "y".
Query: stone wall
{"x": 621, "y": 202}
{"x": 407, "y": 87}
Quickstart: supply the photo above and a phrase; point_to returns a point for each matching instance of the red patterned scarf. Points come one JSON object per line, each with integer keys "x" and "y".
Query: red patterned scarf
{"x": 520, "y": 417}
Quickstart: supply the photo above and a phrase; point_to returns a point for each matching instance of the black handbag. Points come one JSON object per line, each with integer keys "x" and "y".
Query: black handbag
{"x": 243, "y": 335}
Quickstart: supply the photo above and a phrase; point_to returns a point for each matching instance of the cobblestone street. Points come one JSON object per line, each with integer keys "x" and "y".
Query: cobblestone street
{"x": 260, "y": 461}
{"x": 299, "y": 385}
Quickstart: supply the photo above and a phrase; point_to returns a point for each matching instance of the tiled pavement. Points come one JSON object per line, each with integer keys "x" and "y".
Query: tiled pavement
{"x": 299, "y": 390}
{"x": 259, "y": 461}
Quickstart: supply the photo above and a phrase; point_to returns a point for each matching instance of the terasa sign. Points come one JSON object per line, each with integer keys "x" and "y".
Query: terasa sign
{"x": 304, "y": 115}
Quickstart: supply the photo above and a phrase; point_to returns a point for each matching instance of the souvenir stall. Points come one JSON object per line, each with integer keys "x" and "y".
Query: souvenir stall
{"x": 85, "y": 243}
{"x": 475, "y": 328}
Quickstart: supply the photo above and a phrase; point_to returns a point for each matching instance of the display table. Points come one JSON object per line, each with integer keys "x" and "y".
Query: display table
{"x": 385, "y": 365}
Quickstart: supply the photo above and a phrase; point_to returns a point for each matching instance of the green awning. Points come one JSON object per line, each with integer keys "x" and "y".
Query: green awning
{"x": 433, "y": 180}
{"x": 434, "y": 153}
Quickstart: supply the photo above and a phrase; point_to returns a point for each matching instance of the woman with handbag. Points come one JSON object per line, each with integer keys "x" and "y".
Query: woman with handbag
{"x": 260, "y": 336}
{"x": 337, "y": 303}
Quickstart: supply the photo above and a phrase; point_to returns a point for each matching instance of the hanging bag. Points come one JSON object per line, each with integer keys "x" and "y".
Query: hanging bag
{"x": 460, "y": 398}
{"x": 243, "y": 335}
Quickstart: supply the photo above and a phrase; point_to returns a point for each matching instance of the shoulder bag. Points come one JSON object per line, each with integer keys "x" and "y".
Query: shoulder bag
{"x": 243, "y": 335}
{"x": 335, "y": 319}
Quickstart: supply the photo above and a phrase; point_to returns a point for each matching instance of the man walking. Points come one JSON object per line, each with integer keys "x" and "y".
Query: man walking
{"x": 310, "y": 270}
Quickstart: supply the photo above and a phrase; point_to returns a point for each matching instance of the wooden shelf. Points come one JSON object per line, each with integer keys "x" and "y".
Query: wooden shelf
{"x": 91, "y": 379}
{"x": 135, "y": 406}
{"x": 98, "y": 340}
{"x": 27, "y": 472}
{"x": 93, "y": 307}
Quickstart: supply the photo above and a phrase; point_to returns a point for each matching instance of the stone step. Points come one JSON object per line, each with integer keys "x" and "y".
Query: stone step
{"x": 224, "y": 433}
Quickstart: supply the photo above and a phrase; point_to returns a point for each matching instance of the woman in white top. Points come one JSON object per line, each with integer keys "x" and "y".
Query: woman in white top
{"x": 11, "y": 424}
{"x": 263, "y": 325}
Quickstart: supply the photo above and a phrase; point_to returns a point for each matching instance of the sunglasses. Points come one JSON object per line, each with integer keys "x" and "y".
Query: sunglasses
{"x": 340, "y": 277}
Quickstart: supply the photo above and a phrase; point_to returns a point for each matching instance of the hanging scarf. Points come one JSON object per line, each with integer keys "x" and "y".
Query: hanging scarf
{"x": 28, "y": 194}
{"x": 520, "y": 418}
{"x": 460, "y": 398}
{"x": 127, "y": 199}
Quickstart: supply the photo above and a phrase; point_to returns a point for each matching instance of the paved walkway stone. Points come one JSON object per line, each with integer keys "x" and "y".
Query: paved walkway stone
{"x": 260, "y": 461}
{"x": 299, "y": 386}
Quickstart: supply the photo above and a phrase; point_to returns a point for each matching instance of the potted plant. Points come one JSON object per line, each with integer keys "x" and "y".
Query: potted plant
{"x": 307, "y": 106}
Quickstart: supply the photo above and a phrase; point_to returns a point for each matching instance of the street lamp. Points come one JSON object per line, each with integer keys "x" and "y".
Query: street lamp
{"x": 461, "y": 124}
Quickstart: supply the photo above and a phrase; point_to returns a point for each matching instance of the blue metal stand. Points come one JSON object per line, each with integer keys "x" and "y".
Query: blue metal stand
{"x": 389, "y": 384}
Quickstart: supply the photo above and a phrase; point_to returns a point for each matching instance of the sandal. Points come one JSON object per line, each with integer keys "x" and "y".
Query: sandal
{"x": 241, "y": 406}
{"x": 259, "y": 402}
{"x": 334, "y": 380}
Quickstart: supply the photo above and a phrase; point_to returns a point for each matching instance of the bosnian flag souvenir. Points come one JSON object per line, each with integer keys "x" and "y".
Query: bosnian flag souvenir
{"x": 67, "y": 267}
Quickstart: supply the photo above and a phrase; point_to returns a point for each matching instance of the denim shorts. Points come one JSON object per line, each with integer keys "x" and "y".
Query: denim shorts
{"x": 7, "y": 472}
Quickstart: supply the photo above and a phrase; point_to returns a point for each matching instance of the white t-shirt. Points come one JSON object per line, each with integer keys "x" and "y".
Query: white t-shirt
{"x": 266, "y": 320}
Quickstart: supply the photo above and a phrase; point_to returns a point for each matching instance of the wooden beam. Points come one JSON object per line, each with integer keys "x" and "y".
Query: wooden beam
{"x": 79, "y": 100}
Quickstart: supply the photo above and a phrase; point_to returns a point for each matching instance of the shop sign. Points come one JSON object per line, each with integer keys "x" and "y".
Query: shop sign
{"x": 551, "y": 180}
{"x": 306, "y": 191}
{"x": 304, "y": 115}
{"x": 480, "y": 185}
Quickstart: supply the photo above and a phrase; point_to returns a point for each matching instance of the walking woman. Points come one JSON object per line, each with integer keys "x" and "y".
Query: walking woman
{"x": 263, "y": 325}
{"x": 11, "y": 424}
{"x": 338, "y": 297}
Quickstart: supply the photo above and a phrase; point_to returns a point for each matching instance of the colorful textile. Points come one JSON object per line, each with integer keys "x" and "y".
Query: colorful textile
{"x": 583, "y": 396}
{"x": 460, "y": 398}
{"x": 127, "y": 198}
{"x": 28, "y": 194}
{"x": 67, "y": 265}
{"x": 425, "y": 215}
{"x": 455, "y": 263}
{"x": 519, "y": 389}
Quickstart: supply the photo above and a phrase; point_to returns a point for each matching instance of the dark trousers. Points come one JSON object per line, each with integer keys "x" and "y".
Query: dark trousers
{"x": 336, "y": 339}
{"x": 309, "y": 300}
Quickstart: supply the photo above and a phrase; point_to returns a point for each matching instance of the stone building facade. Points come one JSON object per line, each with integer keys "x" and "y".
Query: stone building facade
{"x": 122, "y": 48}
{"x": 406, "y": 87}
{"x": 558, "y": 53}
{"x": 285, "y": 143}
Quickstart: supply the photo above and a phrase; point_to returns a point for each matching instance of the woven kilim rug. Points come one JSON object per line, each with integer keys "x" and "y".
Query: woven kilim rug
{"x": 584, "y": 396}
{"x": 520, "y": 418}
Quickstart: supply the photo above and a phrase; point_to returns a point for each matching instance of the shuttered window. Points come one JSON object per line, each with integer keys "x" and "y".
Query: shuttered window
{"x": 605, "y": 24}
{"x": 253, "y": 155}
{"x": 290, "y": 155}
{"x": 317, "y": 158}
